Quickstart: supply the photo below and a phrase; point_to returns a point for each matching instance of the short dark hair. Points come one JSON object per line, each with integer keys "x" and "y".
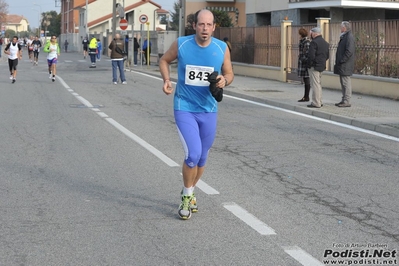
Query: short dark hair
{"x": 303, "y": 32}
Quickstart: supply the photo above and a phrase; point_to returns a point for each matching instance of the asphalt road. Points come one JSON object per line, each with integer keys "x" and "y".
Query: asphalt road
{"x": 90, "y": 174}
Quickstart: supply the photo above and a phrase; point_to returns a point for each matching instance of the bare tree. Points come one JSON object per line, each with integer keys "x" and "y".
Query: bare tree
{"x": 3, "y": 10}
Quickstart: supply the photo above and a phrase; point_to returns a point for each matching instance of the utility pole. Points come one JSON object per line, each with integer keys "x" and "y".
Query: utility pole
{"x": 86, "y": 18}
{"x": 67, "y": 21}
{"x": 113, "y": 18}
{"x": 182, "y": 21}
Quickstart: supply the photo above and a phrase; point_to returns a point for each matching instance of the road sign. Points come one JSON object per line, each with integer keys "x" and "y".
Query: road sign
{"x": 143, "y": 19}
{"x": 123, "y": 24}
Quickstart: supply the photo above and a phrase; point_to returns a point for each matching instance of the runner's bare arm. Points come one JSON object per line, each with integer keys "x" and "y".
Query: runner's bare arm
{"x": 164, "y": 62}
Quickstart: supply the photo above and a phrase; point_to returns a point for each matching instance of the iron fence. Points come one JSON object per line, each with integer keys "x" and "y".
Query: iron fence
{"x": 377, "y": 46}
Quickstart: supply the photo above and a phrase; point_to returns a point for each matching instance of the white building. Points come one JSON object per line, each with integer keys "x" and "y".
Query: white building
{"x": 252, "y": 13}
{"x": 271, "y": 12}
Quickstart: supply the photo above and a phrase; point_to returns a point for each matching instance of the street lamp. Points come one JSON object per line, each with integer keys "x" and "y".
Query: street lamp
{"x": 40, "y": 23}
{"x": 46, "y": 22}
{"x": 38, "y": 11}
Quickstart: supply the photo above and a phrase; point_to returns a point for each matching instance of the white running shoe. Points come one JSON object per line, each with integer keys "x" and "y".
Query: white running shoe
{"x": 184, "y": 208}
{"x": 11, "y": 77}
{"x": 124, "y": 83}
{"x": 50, "y": 76}
{"x": 115, "y": 83}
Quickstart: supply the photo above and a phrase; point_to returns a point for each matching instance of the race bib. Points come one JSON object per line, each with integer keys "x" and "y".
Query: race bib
{"x": 197, "y": 75}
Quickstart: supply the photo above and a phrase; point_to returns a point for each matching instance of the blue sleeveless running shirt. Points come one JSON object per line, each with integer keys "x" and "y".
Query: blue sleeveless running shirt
{"x": 195, "y": 64}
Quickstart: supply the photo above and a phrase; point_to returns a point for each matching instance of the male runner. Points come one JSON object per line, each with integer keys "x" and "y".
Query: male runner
{"x": 14, "y": 52}
{"x": 30, "y": 48}
{"x": 36, "y": 44}
{"x": 195, "y": 109}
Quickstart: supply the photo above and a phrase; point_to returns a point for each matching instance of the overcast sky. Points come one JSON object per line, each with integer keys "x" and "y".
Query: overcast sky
{"x": 31, "y": 9}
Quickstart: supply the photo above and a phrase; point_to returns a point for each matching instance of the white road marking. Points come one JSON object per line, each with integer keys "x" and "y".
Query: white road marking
{"x": 300, "y": 114}
{"x": 121, "y": 128}
{"x": 249, "y": 219}
{"x": 143, "y": 143}
{"x": 317, "y": 118}
{"x": 147, "y": 75}
{"x": 302, "y": 256}
{"x": 102, "y": 115}
{"x": 297, "y": 253}
{"x": 84, "y": 101}
{"x": 206, "y": 188}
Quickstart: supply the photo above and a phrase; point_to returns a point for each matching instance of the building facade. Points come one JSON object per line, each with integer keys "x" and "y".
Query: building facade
{"x": 260, "y": 13}
{"x": 16, "y": 23}
{"x": 100, "y": 14}
{"x": 235, "y": 9}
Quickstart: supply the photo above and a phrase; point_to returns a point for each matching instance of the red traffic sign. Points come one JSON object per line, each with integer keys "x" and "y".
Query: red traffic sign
{"x": 123, "y": 24}
{"x": 143, "y": 19}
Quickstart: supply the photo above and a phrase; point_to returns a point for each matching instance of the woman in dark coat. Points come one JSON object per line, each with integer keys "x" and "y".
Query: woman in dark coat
{"x": 302, "y": 62}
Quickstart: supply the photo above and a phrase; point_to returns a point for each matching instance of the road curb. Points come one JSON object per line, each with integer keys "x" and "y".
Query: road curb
{"x": 383, "y": 129}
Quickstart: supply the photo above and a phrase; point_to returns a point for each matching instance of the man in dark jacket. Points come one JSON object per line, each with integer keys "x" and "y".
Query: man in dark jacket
{"x": 345, "y": 63}
{"x": 317, "y": 58}
{"x": 117, "y": 46}
{"x": 136, "y": 47}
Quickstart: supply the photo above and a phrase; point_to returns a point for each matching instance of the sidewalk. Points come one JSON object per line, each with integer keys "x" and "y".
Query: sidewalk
{"x": 367, "y": 112}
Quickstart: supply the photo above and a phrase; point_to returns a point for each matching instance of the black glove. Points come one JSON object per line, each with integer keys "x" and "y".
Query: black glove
{"x": 217, "y": 93}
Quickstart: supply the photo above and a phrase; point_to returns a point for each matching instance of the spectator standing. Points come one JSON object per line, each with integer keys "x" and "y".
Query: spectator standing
{"x": 317, "y": 58}
{"x": 117, "y": 48}
{"x": 136, "y": 47}
{"x": 1, "y": 44}
{"x": 226, "y": 40}
{"x": 99, "y": 49}
{"x": 303, "y": 73}
{"x": 126, "y": 61}
{"x": 345, "y": 63}
{"x": 147, "y": 51}
{"x": 66, "y": 43}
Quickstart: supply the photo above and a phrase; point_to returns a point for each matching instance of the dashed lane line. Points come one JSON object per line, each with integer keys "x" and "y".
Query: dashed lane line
{"x": 302, "y": 256}
{"x": 298, "y": 254}
{"x": 249, "y": 219}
